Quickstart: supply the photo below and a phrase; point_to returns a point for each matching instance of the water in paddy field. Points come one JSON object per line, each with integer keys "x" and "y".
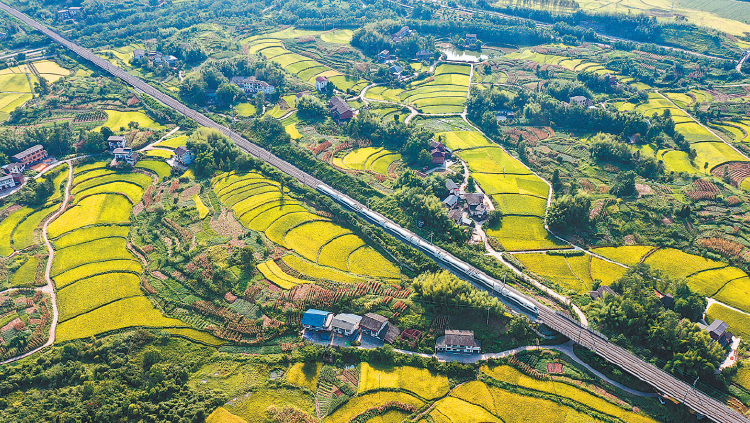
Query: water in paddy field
{"x": 455, "y": 55}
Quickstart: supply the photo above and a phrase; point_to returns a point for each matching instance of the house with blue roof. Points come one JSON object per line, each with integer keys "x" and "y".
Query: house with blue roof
{"x": 317, "y": 320}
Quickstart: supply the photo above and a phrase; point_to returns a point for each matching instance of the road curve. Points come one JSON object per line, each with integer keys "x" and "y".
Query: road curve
{"x": 49, "y": 288}
{"x": 664, "y": 382}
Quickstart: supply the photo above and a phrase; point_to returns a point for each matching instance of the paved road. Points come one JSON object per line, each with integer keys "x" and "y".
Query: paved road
{"x": 664, "y": 382}
{"x": 49, "y": 288}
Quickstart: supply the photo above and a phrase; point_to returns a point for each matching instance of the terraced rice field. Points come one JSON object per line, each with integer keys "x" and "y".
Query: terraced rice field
{"x": 710, "y": 150}
{"x": 575, "y": 273}
{"x": 373, "y": 159}
{"x": 117, "y": 119}
{"x": 521, "y": 195}
{"x": 445, "y": 92}
{"x": 361, "y": 403}
{"x": 50, "y": 70}
{"x": 15, "y": 89}
{"x": 260, "y": 205}
{"x": 303, "y": 67}
{"x": 339, "y": 36}
{"x": 516, "y": 408}
{"x": 97, "y": 277}
{"x": 420, "y": 382}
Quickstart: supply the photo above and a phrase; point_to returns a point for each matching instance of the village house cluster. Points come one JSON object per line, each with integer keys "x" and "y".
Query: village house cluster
{"x": 325, "y": 324}
{"x": 12, "y": 174}
{"x": 156, "y": 57}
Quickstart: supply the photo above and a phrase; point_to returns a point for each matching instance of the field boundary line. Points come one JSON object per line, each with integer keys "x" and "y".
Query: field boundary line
{"x": 49, "y": 288}
{"x": 101, "y": 305}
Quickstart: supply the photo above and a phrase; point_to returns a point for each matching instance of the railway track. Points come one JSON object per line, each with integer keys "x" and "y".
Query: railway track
{"x": 664, "y": 382}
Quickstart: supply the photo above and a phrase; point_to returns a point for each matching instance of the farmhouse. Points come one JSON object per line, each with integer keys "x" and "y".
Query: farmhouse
{"x": 15, "y": 170}
{"x": 31, "y": 155}
{"x": 7, "y": 182}
{"x": 184, "y": 156}
{"x": 373, "y": 324}
{"x": 452, "y": 186}
{"x": 580, "y": 100}
{"x": 439, "y": 152}
{"x": 402, "y": 33}
{"x": 383, "y": 56}
{"x": 392, "y": 333}
{"x": 667, "y": 300}
{"x": 601, "y": 292}
{"x": 340, "y": 109}
{"x": 719, "y": 333}
{"x": 125, "y": 155}
{"x": 321, "y": 83}
{"x": 251, "y": 85}
{"x": 396, "y": 70}
{"x": 346, "y": 324}
{"x": 424, "y": 55}
{"x": 451, "y": 201}
{"x": 504, "y": 114}
{"x": 117, "y": 141}
{"x": 317, "y": 320}
{"x": 139, "y": 54}
{"x": 461, "y": 341}
{"x": 477, "y": 209}
{"x": 172, "y": 61}
{"x": 470, "y": 40}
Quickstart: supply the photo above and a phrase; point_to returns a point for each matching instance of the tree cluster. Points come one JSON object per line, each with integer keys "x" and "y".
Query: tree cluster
{"x": 445, "y": 293}
{"x": 637, "y": 318}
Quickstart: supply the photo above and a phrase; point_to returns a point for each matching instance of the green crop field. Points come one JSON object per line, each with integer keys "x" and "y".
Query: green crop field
{"x": 104, "y": 208}
{"x": 605, "y": 271}
{"x": 678, "y": 264}
{"x": 161, "y": 169}
{"x": 492, "y": 160}
{"x": 292, "y": 131}
{"x": 736, "y": 293}
{"x": 245, "y": 109}
{"x": 454, "y": 410}
{"x": 709, "y": 282}
{"x": 8, "y": 226}
{"x": 197, "y": 335}
{"x": 510, "y": 375}
{"x": 361, "y": 403}
{"x": 88, "y": 294}
{"x": 461, "y": 140}
{"x": 202, "y": 209}
{"x": 524, "y": 233}
{"x": 308, "y": 238}
{"x": 512, "y": 184}
{"x": 715, "y": 154}
{"x": 337, "y": 251}
{"x": 58, "y": 183}
{"x": 89, "y": 252}
{"x": 138, "y": 179}
{"x": 132, "y": 191}
{"x": 159, "y": 154}
{"x": 271, "y": 271}
{"x": 77, "y": 170}
{"x": 373, "y": 159}
{"x": 117, "y": 120}
{"x": 313, "y": 270}
{"x": 556, "y": 269}
{"x": 14, "y": 83}
{"x": 96, "y": 268}
{"x": 739, "y": 323}
{"x": 23, "y": 236}
{"x": 90, "y": 233}
{"x": 26, "y": 274}
{"x": 125, "y": 313}
{"x": 628, "y": 255}
{"x": 677, "y": 161}
{"x": 521, "y": 205}
{"x": 339, "y": 36}
{"x": 285, "y": 222}
{"x": 304, "y": 375}
{"x": 694, "y": 132}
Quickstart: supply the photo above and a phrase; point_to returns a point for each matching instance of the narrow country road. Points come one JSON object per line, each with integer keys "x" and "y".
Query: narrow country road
{"x": 49, "y": 288}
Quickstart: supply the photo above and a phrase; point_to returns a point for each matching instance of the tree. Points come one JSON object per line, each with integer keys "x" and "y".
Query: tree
{"x": 569, "y": 212}
{"x": 557, "y": 185}
{"x": 204, "y": 163}
{"x": 228, "y": 93}
{"x": 42, "y": 86}
{"x": 623, "y": 184}
{"x": 309, "y": 107}
{"x": 260, "y": 102}
{"x": 446, "y": 293}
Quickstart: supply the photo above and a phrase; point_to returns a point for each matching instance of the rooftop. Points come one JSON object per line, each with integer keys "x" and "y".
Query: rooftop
{"x": 28, "y": 151}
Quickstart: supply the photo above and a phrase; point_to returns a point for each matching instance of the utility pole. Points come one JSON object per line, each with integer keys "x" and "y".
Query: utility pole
{"x": 488, "y": 316}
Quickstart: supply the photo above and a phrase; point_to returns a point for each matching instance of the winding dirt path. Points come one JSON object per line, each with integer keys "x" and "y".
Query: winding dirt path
{"x": 49, "y": 288}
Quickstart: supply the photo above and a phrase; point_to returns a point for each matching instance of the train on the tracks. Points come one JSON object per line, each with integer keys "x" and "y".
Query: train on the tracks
{"x": 434, "y": 251}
